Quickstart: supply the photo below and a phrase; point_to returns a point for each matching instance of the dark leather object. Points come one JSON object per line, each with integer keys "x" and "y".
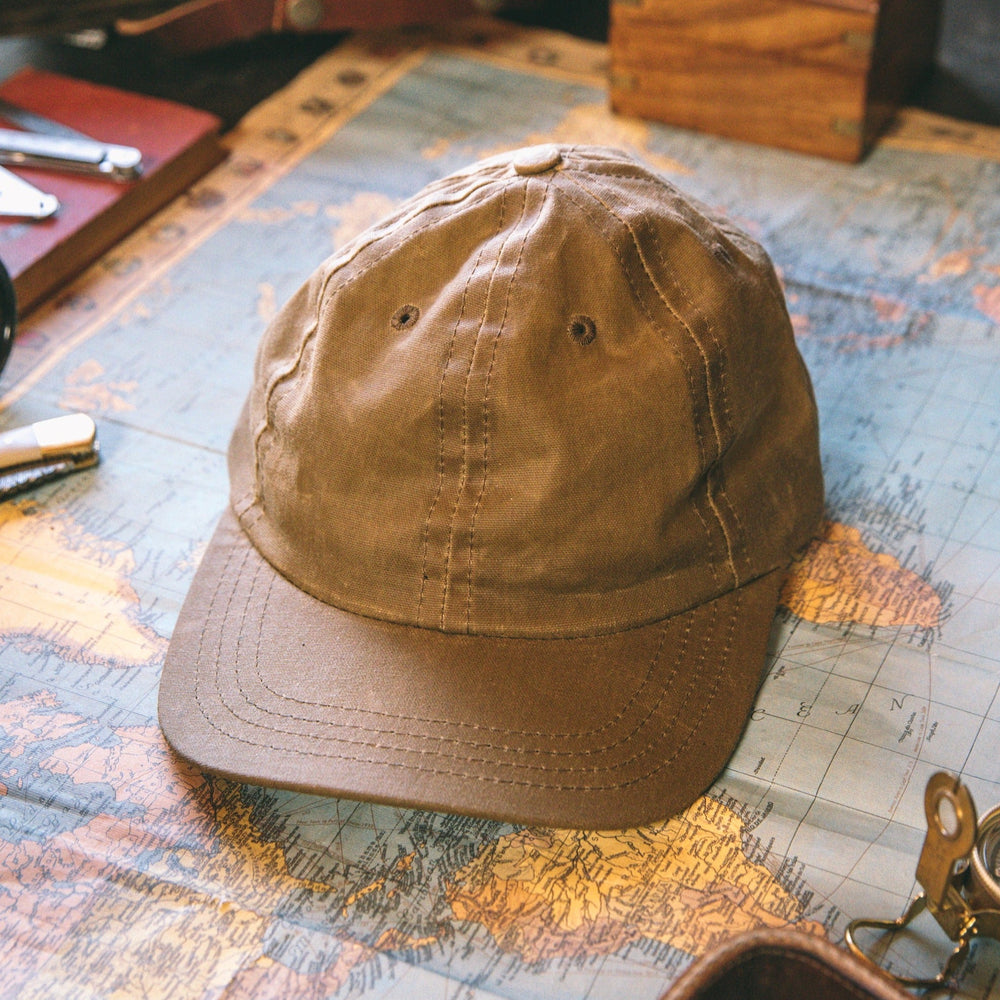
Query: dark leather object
{"x": 782, "y": 965}
{"x": 203, "y": 24}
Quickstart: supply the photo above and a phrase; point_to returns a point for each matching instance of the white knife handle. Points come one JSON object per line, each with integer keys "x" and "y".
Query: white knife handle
{"x": 46, "y": 440}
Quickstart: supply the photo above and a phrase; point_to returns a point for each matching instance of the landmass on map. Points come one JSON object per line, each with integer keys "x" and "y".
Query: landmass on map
{"x": 839, "y": 580}
{"x": 199, "y": 888}
{"x": 686, "y": 882}
{"x": 70, "y": 590}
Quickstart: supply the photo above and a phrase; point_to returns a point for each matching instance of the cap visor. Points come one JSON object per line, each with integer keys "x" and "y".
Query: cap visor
{"x": 267, "y": 685}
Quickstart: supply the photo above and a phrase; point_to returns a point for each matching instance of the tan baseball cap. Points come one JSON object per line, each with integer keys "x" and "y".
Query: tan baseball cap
{"x": 513, "y": 492}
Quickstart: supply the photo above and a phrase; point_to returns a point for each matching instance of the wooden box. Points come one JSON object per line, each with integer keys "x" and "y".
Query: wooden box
{"x": 817, "y": 76}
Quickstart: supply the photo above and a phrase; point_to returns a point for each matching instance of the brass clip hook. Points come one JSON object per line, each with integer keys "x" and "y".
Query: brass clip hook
{"x": 958, "y": 869}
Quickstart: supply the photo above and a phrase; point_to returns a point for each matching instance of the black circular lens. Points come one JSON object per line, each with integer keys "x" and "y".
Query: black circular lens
{"x": 8, "y": 315}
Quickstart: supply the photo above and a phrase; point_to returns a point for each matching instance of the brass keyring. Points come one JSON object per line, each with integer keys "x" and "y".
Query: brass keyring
{"x": 959, "y": 872}
{"x": 984, "y": 863}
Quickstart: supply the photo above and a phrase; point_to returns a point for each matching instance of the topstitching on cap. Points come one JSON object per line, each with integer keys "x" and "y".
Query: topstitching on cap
{"x": 512, "y": 496}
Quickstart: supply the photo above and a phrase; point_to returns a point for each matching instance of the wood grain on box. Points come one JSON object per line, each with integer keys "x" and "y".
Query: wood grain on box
{"x": 812, "y": 76}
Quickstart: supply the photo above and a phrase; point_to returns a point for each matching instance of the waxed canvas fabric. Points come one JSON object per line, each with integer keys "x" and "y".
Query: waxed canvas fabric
{"x": 512, "y": 496}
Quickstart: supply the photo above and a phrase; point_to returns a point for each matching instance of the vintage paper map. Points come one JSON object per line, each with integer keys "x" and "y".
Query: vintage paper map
{"x": 125, "y": 873}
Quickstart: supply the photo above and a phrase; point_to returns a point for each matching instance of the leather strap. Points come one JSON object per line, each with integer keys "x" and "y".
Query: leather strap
{"x": 196, "y": 25}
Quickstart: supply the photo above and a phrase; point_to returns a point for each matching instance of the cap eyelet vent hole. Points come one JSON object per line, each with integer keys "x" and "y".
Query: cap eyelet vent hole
{"x": 404, "y": 317}
{"x": 582, "y": 329}
{"x": 722, "y": 253}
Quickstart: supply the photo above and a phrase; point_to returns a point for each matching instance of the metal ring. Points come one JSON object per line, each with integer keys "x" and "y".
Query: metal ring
{"x": 8, "y": 315}
{"x": 984, "y": 870}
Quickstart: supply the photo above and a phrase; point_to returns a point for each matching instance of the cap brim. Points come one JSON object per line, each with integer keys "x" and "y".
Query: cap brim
{"x": 267, "y": 685}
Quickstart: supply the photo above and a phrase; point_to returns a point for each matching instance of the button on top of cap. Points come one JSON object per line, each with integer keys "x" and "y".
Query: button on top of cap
{"x": 537, "y": 159}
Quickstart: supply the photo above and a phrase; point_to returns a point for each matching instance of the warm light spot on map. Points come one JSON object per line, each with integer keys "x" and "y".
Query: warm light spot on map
{"x": 988, "y": 301}
{"x": 364, "y": 210}
{"x": 840, "y": 580}
{"x": 954, "y": 264}
{"x": 86, "y": 389}
{"x": 686, "y": 882}
{"x": 89, "y": 610}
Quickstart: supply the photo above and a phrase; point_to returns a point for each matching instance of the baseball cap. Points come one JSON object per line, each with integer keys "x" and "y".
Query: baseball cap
{"x": 512, "y": 495}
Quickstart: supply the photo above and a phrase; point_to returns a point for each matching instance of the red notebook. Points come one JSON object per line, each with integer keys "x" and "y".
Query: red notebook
{"x": 178, "y": 145}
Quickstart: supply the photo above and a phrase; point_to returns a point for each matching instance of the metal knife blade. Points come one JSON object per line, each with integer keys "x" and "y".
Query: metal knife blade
{"x": 19, "y": 198}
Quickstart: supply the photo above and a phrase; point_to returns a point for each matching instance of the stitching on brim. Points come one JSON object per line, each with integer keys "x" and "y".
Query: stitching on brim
{"x": 500, "y": 730}
{"x": 492, "y": 779}
{"x": 242, "y": 629}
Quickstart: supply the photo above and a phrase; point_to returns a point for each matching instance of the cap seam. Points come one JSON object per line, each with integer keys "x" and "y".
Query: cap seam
{"x": 486, "y": 394}
{"x": 723, "y": 377}
{"x": 702, "y": 453}
{"x": 694, "y": 339}
{"x": 289, "y": 370}
{"x": 659, "y": 294}
{"x": 465, "y": 429}
{"x": 689, "y": 378}
{"x": 442, "y": 428}
{"x": 727, "y": 418}
{"x": 738, "y": 238}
